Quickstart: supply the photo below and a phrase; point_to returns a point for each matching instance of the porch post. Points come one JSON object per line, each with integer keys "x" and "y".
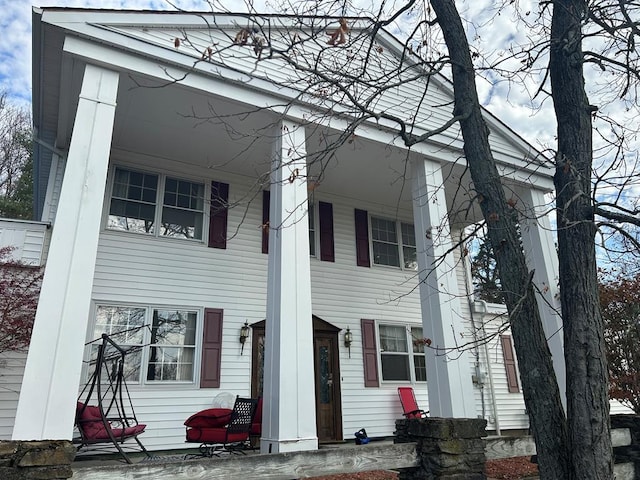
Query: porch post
{"x": 541, "y": 256}
{"x": 449, "y": 375}
{"x": 47, "y": 403}
{"x": 289, "y": 420}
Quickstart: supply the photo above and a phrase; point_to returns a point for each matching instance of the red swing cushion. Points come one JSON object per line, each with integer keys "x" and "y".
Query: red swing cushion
{"x": 90, "y": 421}
{"x": 209, "y": 418}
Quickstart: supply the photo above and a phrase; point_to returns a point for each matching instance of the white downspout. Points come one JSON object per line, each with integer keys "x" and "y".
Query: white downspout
{"x": 494, "y": 404}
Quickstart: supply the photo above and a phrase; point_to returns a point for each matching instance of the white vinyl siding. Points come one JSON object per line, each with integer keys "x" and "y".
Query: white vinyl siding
{"x": 28, "y": 240}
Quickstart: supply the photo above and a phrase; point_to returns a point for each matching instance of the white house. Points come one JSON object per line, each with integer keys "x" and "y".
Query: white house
{"x": 192, "y": 174}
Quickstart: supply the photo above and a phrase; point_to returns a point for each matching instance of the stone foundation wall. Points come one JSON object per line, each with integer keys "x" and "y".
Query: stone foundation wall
{"x": 628, "y": 453}
{"x": 449, "y": 448}
{"x": 37, "y": 460}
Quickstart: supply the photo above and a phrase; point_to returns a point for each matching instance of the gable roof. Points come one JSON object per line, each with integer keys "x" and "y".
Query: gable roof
{"x": 411, "y": 93}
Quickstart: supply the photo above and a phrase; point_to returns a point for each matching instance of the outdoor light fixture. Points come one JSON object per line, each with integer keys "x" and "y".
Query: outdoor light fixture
{"x": 244, "y": 334}
{"x": 348, "y": 339}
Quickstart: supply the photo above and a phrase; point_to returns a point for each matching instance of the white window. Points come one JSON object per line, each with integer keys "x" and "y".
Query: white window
{"x": 399, "y": 362}
{"x": 162, "y": 341}
{"x": 393, "y": 243}
{"x": 142, "y": 201}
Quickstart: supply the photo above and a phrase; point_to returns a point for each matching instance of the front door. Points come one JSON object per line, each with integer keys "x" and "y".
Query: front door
{"x": 326, "y": 373}
{"x": 328, "y": 421}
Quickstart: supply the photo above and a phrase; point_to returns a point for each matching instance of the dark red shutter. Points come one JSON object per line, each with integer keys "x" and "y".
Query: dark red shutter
{"x": 218, "y": 213}
{"x": 509, "y": 363}
{"x": 266, "y": 198}
{"x": 211, "y": 348}
{"x": 362, "y": 238}
{"x": 326, "y": 232}
{"x": 369, "y": 353}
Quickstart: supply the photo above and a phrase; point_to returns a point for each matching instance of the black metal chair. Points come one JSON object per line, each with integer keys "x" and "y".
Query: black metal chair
{"x": 216, "y": 438}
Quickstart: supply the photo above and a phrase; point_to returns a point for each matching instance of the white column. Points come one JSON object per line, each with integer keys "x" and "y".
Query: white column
{"x": 47, "y": 403}
{"x": 289, "y": 420}
{"x": 541, "y": 255}
{"x": 449, "y": 375}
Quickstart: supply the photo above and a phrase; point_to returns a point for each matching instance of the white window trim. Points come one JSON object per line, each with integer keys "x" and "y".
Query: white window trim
{"x": 412, "y": 367}
{"x": 399, "y": 244}
{"x": 144, "y": 383}
{"x": 313, "y": 206}
{"x": 162, "y": 176}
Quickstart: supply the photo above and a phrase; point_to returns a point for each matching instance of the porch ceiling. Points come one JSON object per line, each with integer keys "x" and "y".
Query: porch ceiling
{"x": 172, "y": 123}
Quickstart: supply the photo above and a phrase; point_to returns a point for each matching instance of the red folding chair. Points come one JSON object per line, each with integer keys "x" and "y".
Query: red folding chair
{"x": 409, "y": 405}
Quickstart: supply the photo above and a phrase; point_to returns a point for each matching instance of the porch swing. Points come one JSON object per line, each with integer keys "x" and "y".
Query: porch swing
{"x": 113, "y": 420}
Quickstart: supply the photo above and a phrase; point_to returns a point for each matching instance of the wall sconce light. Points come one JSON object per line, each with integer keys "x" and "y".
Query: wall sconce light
{"x": 348, "y": 339}
{"x": 244, "y": 334}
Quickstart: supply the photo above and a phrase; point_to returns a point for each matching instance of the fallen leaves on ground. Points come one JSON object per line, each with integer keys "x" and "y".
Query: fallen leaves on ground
{"x": 511, "y": 468}
{"x": 506, "y": 469}
{"x": 373, "y": 475}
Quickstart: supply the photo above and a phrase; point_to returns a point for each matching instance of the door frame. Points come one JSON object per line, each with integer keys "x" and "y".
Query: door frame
{"x": 323, "y": 329}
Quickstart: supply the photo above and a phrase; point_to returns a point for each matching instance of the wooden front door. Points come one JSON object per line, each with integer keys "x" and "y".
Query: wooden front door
{"x": 327, "y": 376}
{"x": 326, "y": 373}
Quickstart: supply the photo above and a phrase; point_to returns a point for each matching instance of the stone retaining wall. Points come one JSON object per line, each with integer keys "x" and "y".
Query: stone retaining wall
{"x": 448, "y": 448}
{"x": 37, "y": 460}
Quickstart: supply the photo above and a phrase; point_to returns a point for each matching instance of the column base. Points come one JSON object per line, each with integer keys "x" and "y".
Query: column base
{"x": 293, "y": 445}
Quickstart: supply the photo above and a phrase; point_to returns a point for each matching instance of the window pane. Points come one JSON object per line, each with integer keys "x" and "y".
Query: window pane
{"x": 385, "y": 254}
{"x": 409, "y": 246}
{"x": 312, "y": 230}
{"x": 173, "y": 338}
{"x": 393, "y": 339}
{"x": 383, "y": 230}
{"x": 419, "y": 361}
{"x": 408, "y": 234}
{"x": 416, "y": 336}
{"x": 420, "y": 365}
{"x": 384, "y": 240}
{"x": 182, "y": 212}
{"x": 125, "y": 326}
{"x": 170, "y": 364}
{"x": 395, "y": 367}
{"x": 409, "y": 257}
{"x": 133, "y": 200}
{"x": 132, "y": 362}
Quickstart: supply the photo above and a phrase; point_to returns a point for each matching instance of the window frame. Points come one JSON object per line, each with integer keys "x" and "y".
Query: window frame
{"x": 410, "y": 354}
{"x": 400, "y": 245}
{"x": 312, "y": 214}
{"x": 159, "y": 202}
{"x": 145, "y": 352}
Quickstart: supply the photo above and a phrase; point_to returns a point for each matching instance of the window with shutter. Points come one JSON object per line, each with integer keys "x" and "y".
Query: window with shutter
{"x": 510, "y": 364}
{"x": 211, "y": 348}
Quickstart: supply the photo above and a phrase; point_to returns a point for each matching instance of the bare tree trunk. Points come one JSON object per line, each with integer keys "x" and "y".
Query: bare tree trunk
{"x": 587, "y": 376}
{"x": 541, "y": 393}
